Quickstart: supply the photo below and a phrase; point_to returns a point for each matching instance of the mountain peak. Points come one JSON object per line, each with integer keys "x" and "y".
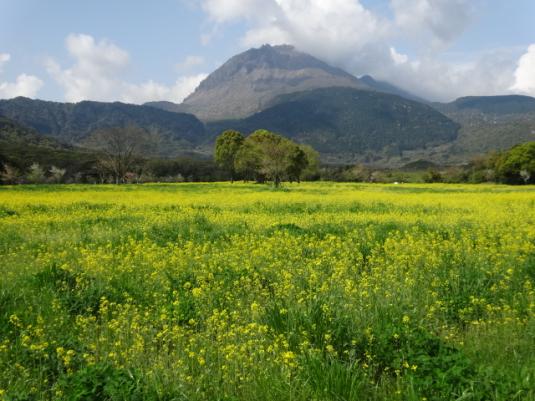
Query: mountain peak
{"x": 249, "y": 81}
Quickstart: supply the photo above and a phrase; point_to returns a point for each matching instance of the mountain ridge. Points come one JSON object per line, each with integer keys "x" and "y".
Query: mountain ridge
{"x": 71, "y": 123}
{"x": 350, "y": 121}
{"x": 251, "y": 81}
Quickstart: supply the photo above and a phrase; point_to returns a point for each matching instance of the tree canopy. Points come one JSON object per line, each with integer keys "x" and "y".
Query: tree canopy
{"x": 226, "y": 148}
{"x": 264, "y": 155}
{"x": 517, "y": 166}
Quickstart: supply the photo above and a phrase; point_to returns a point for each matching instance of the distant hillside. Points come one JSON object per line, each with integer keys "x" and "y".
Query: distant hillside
{"x": 21, "y": 146}
{"x": 12, "y": 132}
{"x": 72, "y": 122}
{"x": 345, "y": 123}
{"x": 489, "y": 105}
{"x": 490, "y": 123}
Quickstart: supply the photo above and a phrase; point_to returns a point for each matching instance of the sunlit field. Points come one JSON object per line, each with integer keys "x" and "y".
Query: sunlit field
{"x": 242, "y": 292}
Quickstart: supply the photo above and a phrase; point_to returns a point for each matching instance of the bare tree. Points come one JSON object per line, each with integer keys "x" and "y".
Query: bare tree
{"x": 10, "y": 174}
{"x": 120, "y": 148}
{"x": 56, "y": 174}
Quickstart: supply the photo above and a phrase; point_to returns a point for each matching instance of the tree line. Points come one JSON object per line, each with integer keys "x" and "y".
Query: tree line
{"x": 118, "y": 155}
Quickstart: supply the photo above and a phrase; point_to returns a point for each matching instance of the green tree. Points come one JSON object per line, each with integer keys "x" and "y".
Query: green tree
{"x": 311, "y": 171}
{"x": 275, "y": 154}
{"x": 297, "y": 163}
{"x": 227, "y": 147}
{"x": 267, "y": 155}
{"x": 248, "y": 161}
{"x": 517, "y": 166}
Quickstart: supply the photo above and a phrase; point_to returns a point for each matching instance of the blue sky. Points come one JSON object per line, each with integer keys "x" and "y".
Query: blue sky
{"x": 138, "y": 51}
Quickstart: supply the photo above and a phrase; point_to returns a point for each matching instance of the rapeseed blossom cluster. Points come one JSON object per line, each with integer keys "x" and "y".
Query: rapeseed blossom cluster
{"x": 219, "y": 291}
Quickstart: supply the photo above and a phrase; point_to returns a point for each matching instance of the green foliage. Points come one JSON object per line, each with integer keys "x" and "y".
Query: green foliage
{"x": 517, "y": 166}
{"x": 100, "y": 382}
{"x": 345, "y": 120}
{"x": 489, "y": 123}
{"x": 226, "y": 148}
{"x": 433, "y": 176}
{"x": 71, "y": 123}
{"x": 266, "y": 154}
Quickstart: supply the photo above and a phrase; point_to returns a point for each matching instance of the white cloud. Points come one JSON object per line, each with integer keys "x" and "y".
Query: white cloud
{"x": 97, "y": 75}
{"x": 152, "y": 91}
{"x": 24, "y": 85}
{"x": 525, "y": 73}
{"x": 347, "y": 34}
{"x": 431, "y": 23}
{"x": 335, "y": 29}
{"x": 398, "y": 58}
{"x": 490, "y": 73}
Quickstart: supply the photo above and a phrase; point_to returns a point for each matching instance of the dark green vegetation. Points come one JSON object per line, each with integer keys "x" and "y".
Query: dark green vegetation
{"x": 20, "y": 147}
{"x": 338, "y": 121}
{"x": 27, "y": 157}
{"x": 489, "y": 123}
{"x": 517, "y": 166}
{"x": 72, "y": 123}
{"x": 321, "y": 291}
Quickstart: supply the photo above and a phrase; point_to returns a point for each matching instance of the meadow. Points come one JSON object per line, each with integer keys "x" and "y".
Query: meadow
{"x": 316, "y": 291}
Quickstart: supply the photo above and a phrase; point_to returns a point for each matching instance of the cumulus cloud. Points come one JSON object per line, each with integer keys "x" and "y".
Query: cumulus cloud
{"x": 151, "y": 91}
{"x": 346, "y": 33}
{"x": 24, "y": 85}
{"x": 525, "y": 73}
{"x": 434, "y": 24}
{"x": 335, "y": 29}
{"x": 97, "y": 75}
{"x": 490, "y": 73}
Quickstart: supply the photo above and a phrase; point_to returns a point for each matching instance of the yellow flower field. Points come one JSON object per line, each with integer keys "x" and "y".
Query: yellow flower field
{"x": 316, "y": 291}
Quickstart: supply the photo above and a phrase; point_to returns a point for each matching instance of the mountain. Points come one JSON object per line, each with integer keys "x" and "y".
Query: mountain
{"x": 248, "y": 82}
{"x": 490, "y": 122}
{"x": 489, "y": 105}
{"x": 73, "y": 122}
{"x": 346, "y": 124}
{"x": 385, "y": 87}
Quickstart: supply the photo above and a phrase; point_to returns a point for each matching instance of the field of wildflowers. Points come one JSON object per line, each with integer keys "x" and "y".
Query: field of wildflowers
{"x": 315, "y": 291}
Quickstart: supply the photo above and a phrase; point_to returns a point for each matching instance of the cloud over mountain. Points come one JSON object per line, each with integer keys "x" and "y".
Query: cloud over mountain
{"x": 363, "y": 41}
{"x": 97, "y": 75}
{"x": 525, "y": 73}
{"x": 24, "y": 85}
